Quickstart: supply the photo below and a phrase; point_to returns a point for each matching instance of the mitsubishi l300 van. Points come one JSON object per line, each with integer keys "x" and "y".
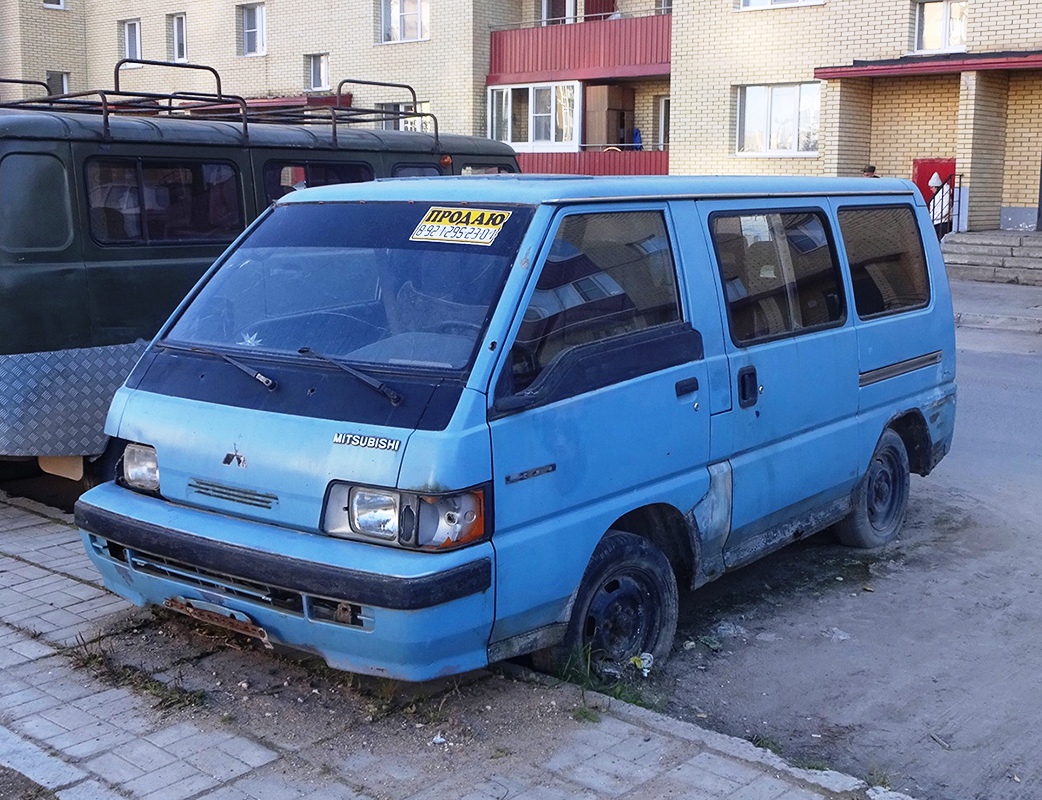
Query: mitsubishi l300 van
{"x": 419, "y": 426}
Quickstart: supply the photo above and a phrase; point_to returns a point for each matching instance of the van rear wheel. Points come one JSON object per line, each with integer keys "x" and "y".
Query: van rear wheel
{"x": 626, "y": 606}
{"x": 881, "y": 498}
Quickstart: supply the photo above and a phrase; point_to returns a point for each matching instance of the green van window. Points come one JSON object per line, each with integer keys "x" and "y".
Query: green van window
{"x": 139, "y": 201}
{"x": 35, "y": 207}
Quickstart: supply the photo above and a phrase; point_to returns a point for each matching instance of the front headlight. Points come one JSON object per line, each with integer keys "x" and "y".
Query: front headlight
{"x": 424, "y": 522}
{"x": 140, "y": 468}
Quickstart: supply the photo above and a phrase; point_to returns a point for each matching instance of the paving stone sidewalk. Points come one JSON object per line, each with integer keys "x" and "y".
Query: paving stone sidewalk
{"x": 86, "y": 740}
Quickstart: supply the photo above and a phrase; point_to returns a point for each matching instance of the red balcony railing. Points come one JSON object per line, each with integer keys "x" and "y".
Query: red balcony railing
{"x": 594, "y": 50}
{"x": 593, "y": 162}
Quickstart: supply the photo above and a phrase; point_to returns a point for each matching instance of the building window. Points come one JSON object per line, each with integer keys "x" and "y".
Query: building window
{"x": 130, "y": 33}
{"x": 54, "y": 3}
{"x": 251, "y": 21}
{"x": 57, "y": 82}
{"x": 317, "y": 66}
{"x": 177, "y": 37}
{"x": 536, "y": 118}
{"x": 780, "y": 119}
{"x": 941, "y": 25}
{"x": 770, "y": 3}
{"x": 405, "y": 123}
{"x": 663, "y": 122}
{"x": 664, "y": 6}
{"x": 556, "y": 12}
{"x": 405, "y": 20}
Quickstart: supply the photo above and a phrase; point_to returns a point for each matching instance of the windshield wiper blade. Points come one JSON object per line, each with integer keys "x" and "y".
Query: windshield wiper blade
{"x": 368, "y": 380}
{"x": 268, "y": 383}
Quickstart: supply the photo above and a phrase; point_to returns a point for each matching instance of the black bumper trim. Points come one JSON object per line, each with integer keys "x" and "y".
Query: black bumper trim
{"x": 285, "y": 572}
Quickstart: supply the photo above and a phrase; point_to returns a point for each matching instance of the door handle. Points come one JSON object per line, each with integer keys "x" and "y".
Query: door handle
{"x": 686, "y": 386}
{"x": 748, "y": 389}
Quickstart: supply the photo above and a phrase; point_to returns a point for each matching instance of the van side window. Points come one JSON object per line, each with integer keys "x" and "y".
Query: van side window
{"x": 34, "y": 188}
{"x": 607, "y": 274}
{"x": 887, "y": 266}
{"x": 779, "y": 274}
{"x": 282, "y": 177}
{"x": 415, "y": 170}
{"x": 137, "y": 201}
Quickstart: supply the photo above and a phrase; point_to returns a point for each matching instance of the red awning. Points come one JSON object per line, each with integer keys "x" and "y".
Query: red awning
{"x": 933, "y": 65}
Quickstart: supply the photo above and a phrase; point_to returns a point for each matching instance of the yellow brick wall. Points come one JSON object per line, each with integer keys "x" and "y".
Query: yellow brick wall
{"x": 997, "y": 25}
{"x": 35, "y": 40}
{"x": 846, "y": 126}
{"x": 646, "y": 108}
{"x": 913, "y": 118}
{"x": 1023, "y": 138}
{"x": 982, "y": 144}
{"x": 442, "y": 68}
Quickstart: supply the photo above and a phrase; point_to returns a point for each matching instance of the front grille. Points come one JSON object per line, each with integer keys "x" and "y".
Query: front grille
{"x": 246, "y": 497}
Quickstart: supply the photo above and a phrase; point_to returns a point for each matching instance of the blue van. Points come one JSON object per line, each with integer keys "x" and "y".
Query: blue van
{"x": 418, "y": 426}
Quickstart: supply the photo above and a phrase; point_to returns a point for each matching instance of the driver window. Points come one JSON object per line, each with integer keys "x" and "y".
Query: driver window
{"x": 607, "y": 274}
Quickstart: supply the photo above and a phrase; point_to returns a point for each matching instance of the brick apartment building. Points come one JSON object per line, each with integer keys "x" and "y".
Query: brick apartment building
{"x": 814, "y": 87}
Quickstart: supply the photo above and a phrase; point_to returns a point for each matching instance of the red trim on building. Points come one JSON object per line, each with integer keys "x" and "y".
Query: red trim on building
{"x": 585, "y": 74}
{"x": 926, "y": 65}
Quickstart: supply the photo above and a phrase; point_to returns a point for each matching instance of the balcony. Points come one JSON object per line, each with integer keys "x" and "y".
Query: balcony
{"x": 597, "y": 162}
{"x": 631, "y": 47}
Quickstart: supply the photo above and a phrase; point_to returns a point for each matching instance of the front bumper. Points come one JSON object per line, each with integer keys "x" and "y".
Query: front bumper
{"x": 363, "y": 608}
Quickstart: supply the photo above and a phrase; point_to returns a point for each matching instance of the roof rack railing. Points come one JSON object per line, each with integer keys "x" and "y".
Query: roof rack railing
{"x": 221, "y": 106}
{"x": 23, "y": 82}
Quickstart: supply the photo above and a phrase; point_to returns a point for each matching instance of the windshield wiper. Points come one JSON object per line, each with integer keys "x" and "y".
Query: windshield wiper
{"x": 270, "y": 384}
{"x": 368, "y": 380}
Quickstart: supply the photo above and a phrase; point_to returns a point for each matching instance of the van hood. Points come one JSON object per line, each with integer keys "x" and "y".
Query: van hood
{"x": 270, "y": 467}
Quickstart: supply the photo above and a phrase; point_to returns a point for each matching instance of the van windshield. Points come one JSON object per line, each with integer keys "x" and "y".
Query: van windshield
{"x": 392, "y": 285}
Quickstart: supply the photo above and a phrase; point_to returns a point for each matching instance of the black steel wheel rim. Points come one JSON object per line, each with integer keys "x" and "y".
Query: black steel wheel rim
{"x": 621, "y": 617}
{"x": 884, "y": 490}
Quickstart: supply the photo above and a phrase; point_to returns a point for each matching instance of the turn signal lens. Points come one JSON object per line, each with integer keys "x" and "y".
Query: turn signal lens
{"x": 451, "y": 521}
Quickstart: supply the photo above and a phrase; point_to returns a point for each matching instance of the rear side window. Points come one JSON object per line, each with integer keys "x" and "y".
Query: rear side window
{"x": 486, "y": 169}
{"x": 415, "y": 171}
{"x": 607, "y": 274}
{"x": 887, "y": 265}
{"x": 35, "y": 209}
{"x": 138, "y": 201}
{"x": 779, "y": 274}
{"x": 282, "y": 177}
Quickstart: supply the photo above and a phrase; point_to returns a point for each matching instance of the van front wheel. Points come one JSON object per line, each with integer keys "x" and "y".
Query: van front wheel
{"x": 626, "y": 606}
{"x": 881, "y": 498}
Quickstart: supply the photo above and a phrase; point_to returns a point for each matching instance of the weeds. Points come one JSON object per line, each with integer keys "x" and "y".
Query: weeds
{"x": 766, "y": 743}
{"x": 95, "y": 657}
{"x": 816, "y": 764}
{"x": 877, "y": 777}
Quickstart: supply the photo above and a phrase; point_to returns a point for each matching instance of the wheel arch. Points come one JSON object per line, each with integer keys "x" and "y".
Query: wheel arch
{"x": 667, "y": 529}
{"x": 912, "y": 428}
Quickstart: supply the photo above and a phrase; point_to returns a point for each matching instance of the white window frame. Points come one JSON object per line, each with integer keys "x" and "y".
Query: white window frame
{"x": 539, "y": 145}
{"x": 394, "y": 19}
{"x": 768, "y": 116}
{"x": 179, "y": 38}
{"x": 131, "y": 32}
{"x": 546, "y": 19}
{"x": 256, "y": 27}
{"x": 410, "y": 123}
{"x": 946, "y": 26}
{"x": 765, "y": 5}
{"x": 663, "y": 122}
{"x": 56, "y": 4}
{"x": 664, "y": 7}
{"x": 64, "y": 88}
{"x": 321, "y": 61}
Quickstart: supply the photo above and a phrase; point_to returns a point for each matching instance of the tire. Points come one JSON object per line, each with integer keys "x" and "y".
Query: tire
{"x": 626, "y": 605}
{"x": 881, "y": 497}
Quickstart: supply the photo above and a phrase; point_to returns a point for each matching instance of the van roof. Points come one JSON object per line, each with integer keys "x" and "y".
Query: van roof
{"x": 535, "y": 189}
{"x": 66, "y": 126}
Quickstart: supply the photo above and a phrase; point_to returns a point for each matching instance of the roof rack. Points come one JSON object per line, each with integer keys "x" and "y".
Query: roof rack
{"x": 330, "y": 110}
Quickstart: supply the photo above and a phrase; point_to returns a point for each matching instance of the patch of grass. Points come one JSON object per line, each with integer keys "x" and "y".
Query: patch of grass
{"x": 766, "y": 743}
{"x": 878, "y": 777}
{"x": 586, "y": 714}
{"x": 619, "y": 683}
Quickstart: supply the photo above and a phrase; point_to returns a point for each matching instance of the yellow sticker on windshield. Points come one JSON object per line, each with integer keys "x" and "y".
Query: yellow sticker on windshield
{"x": 460, "y": 225}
